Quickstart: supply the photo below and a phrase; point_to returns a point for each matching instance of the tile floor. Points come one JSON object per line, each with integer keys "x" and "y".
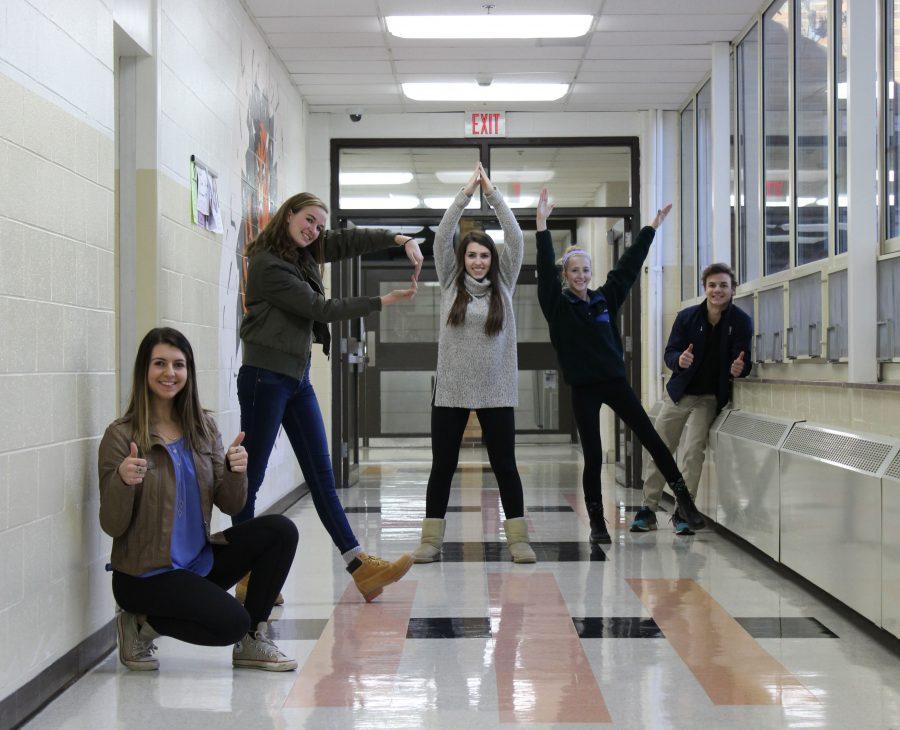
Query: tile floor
{"x": 653, "y": 631}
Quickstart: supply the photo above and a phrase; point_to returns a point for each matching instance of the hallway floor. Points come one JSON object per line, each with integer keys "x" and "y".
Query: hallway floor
{"x": 653, "y": 631}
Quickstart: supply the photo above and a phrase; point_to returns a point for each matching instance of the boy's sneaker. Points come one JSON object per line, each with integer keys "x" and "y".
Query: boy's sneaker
{"x": 257, "y": 651}
{"x": 599, "y": 533}
{"x": 135, "y": 650}
{"x": 644, "y": 520}
{"x": 372, "y": 574}
{"x": 686, "y": 506}
{"x": 681, "y": 525}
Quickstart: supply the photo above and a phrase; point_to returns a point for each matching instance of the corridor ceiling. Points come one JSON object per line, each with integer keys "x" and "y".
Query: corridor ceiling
{"x": 639, "y": 54}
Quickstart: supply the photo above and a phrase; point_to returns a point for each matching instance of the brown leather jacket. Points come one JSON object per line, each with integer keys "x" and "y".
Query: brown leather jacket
{"x": 139, "y": 518}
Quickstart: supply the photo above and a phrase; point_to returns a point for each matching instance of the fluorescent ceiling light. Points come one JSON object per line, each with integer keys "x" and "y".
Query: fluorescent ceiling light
{"x": 442, "y": 203}
{"x": 500, "y": 176}
{"x": 488, "y": 26}
{"x": 471, "y": 91}
{"x": 386, "y": 201}
{"x": 375, "y": 178}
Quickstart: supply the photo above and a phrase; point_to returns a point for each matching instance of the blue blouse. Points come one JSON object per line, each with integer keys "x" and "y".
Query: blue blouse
{"x": 189, "y": 547}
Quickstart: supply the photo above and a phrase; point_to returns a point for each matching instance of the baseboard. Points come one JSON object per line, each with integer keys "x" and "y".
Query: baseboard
{"x": 32, "y": 697}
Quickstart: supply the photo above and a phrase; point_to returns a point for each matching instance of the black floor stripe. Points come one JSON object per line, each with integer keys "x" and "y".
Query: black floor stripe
{"x": 297, "y": 628}
{"x": 469, "y": 627}
{"x": 496, "y": 552}
{"x": 549, "y": 508}
{"x": 785, "y": 627}
{"x": 617, "y": 627}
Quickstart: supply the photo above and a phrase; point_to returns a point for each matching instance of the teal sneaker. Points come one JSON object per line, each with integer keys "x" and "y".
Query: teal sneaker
{"x": 644, "y": 520}
{"x": 681, "y": 525}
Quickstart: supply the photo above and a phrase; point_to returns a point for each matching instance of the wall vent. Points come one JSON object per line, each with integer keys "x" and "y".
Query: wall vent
{"x": 840, "y": 448}
{"x": 754, "y": 428}
{"x": 893, "y": 470}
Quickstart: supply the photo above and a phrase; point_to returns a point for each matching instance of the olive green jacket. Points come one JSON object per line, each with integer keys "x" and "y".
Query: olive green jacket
{"x": 286, "y": 308}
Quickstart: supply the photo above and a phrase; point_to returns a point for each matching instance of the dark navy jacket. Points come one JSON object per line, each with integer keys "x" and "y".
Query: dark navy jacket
{"x": 690, "y": 328}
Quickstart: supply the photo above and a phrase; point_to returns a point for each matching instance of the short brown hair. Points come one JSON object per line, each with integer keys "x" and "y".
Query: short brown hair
{"x": 718, "y": 269}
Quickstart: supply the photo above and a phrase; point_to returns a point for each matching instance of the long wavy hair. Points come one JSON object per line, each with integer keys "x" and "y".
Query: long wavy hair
{"x": 457, "y": 316}
{"x": 187, "y": 402}
{"x": 276, "y": 239}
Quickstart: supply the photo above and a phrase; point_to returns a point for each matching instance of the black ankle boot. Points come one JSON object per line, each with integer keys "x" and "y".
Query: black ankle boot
{"x": 686, "y": 507}
{"x": 599, "y": 533}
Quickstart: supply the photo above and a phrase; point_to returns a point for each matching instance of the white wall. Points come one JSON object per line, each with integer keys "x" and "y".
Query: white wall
{"x": 58, "y": 290}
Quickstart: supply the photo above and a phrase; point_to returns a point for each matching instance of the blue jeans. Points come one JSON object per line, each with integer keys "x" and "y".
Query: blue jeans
{"x": 268, "y": 401}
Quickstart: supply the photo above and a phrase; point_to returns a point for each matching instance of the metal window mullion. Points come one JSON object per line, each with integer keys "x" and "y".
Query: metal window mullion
{"x": 735, "y": 157}
{"x": 831, "y": 111}
{"x": 696, "y": 183}
{"x": 792, "y": 129}
{"x": 881, "y": 121}
{"x": 761, "y": 147}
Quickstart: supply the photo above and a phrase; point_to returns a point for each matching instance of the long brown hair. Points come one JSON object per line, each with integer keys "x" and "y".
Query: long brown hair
{"x": 275, "y": 237}
{"x": 457, "y": 316}
{"x": 187, "y": 402}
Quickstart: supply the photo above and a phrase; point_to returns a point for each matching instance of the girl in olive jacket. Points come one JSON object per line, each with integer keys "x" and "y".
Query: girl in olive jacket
{"x": 286, "y": 311}
{"x": 583, "y": 331}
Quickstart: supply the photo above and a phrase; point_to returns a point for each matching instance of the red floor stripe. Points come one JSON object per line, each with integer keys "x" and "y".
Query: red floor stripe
{"x": 356, "y": 660}
{"x": 543, "y": 674}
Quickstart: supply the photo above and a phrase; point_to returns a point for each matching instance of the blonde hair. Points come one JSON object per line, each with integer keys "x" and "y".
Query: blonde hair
{"x": 571, "y": 251}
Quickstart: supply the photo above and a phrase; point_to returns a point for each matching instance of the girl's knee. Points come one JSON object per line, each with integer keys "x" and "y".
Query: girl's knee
{"x": 283, "y": 527}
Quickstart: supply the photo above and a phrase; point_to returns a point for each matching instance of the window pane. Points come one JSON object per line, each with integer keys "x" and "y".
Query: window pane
{"x": 840, "y": 108}
{"x": 704, "y": 179}
{"x": 775, "y": 133}
{"x": 892, "y": 108}
{"x": 811, "y": 83}
{"x": 748, "y": 151}
{"x": 688, "y": 209}
{"x": 404, "y": 178}
{"x": 577, "y": 177}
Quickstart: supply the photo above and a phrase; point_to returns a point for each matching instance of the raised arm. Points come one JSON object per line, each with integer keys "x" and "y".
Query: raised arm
{"x": 623, "y": 275}
{"x": 444, "y": 255}
{"x": 514, "y": 248}
{"x": 549, "y": 287}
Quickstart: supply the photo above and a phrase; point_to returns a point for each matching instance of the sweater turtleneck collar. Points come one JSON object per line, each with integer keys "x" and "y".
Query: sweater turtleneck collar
{"x": 477, "y": 288}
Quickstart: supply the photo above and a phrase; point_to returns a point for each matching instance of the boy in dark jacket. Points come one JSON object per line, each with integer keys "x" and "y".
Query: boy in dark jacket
{"x": 708, "y": 347}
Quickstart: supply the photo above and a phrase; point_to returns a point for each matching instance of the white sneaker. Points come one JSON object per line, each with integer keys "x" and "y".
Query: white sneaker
{"x": 135, "y": 651}
{"x": 257, "y": 651}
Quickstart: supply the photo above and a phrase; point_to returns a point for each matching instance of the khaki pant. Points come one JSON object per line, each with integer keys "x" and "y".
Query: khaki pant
{"x": 693, "y": 414}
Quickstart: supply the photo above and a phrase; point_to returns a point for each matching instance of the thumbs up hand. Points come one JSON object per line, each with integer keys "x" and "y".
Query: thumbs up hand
{"x": 686, "y": 358}
{"x": 132, "y": 468}
{"x": 237, "y": 455}
{"x": 737, "y": 367}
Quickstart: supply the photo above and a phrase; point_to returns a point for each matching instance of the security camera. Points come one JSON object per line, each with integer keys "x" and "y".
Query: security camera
{"x": 356, "y": 115}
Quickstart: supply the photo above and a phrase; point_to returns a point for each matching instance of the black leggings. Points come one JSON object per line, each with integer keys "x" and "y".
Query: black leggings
{"x": 197, "y": 609}
{"x": 618, "y": 395}
{"x": 499, "y": 428}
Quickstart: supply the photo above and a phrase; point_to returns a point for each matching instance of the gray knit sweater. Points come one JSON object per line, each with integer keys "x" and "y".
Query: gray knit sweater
{"x": 474, "y": 370}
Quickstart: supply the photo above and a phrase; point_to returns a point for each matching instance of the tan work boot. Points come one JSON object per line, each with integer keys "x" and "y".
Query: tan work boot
{"x": 372, "y": 574}
{"x": 432, "y": 539}
{"x": 240, "y": 591}
{"x": 517, "y": 540}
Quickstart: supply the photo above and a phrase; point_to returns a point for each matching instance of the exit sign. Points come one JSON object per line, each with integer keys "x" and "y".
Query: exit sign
{"x": 485, "y": 124}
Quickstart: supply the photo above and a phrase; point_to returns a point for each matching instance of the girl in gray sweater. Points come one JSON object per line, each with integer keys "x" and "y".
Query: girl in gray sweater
{"x": 477, "y": 366}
